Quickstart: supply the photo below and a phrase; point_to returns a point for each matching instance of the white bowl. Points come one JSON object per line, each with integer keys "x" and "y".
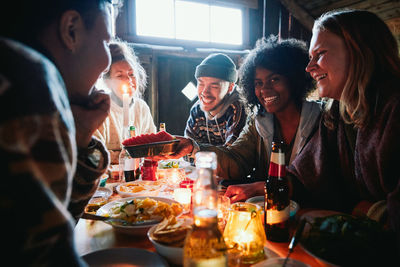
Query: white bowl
{"x": 139, "y": 230}
{"x": 173, "y": 255}
{"x": 259, "y": 200}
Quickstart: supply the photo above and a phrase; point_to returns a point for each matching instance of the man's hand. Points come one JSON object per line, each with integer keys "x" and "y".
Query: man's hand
{"x": 88, "y": 118}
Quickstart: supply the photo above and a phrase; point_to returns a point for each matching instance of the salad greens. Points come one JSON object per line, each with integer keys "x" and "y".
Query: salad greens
{"x": 170, "y": 164}
{"x": 349, "y": 241}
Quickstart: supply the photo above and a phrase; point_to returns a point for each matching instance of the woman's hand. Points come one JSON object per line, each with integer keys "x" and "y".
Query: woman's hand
{"x": 89, "y": 117}
{"x": 241, "y": 192}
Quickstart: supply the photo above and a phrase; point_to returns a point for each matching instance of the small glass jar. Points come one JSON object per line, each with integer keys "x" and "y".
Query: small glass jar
{"x": 149, "y": 170}
{"x": 244, "y": 233}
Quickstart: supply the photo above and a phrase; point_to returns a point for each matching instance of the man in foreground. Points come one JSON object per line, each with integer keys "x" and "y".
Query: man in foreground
{"x": 52, "y": 54}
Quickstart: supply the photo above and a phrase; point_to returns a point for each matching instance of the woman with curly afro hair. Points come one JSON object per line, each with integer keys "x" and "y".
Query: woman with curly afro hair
{"x": 275, "y": 85}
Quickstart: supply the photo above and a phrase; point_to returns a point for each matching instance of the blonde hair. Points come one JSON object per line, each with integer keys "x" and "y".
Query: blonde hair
{"x": 373, "y": 58}
{"x": 121, "y": 51}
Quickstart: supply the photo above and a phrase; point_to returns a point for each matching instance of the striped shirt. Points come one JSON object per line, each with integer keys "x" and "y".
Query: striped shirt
{"x": 45, "y": 182}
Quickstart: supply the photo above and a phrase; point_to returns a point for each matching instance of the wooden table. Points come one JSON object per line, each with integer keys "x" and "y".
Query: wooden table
{"x": 94, "y": 235}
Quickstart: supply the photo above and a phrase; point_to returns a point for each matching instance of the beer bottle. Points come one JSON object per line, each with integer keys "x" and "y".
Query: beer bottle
{"x": 204, "y": 244}
{"x": 276, "y": 200}
{"x": 162, "y": 126}
{"x": 126, "y": 162}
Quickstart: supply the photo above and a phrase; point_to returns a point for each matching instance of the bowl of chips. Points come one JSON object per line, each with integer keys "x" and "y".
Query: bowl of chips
{"x": 168, "y": 238}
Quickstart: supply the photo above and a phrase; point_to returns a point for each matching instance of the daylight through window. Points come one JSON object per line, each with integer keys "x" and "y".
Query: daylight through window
{"x": 185, "y": 20}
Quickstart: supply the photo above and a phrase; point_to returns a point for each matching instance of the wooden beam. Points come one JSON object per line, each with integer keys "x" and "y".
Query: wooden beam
{"x": 299, "y": 13}
{"x": 394, "y": 25}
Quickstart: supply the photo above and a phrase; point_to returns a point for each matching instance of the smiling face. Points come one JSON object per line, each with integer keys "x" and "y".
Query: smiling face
{"x": 272, "y": 90}
{"x": 121, "y": 73}
{"x": 329, "y": 63}
{"x": 211, "y": 91}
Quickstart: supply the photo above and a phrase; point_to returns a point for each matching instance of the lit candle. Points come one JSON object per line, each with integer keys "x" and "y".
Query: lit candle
{"x": 125, "y": 106}
{"x": 175, "y": 177}
{"x": 184, "y": 197}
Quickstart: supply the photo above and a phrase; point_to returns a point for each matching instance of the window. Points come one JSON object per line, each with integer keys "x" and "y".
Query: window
{"x": 190, "y": 91}
{"x": 189, "y": 21}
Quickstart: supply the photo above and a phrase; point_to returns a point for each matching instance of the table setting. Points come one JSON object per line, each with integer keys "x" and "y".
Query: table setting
{"x": 94, "y": 236}
{"x": 155, "y": 216}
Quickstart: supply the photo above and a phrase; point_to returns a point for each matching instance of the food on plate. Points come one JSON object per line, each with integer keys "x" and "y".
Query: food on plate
{"x": 94, "y": 204}
{"x": 139, "y": 187}
{"x": 346, "y": 240}
{"x": 137, "y": 210}
{"x": 148, "y": 138}
{"x": 168, "y": 164}
{"x": 99, "y": 198}
{"x": 171, "y": 231}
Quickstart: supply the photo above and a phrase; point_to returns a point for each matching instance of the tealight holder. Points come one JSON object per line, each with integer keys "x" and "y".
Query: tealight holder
{"x": 244, "y": 233}
{"x": 175, "y": 176}
{"x": 184, "y": 197}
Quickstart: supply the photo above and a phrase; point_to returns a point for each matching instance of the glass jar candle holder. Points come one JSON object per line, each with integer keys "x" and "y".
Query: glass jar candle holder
{"x": 175, "y": 176}
{"x": 184, "y": 197}
{"x": 244, "y": 233}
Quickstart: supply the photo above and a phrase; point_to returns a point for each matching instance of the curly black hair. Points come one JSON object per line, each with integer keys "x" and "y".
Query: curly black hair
{"x": 286, "y": 57}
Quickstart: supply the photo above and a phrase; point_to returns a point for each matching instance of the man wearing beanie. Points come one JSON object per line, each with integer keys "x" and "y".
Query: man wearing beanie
{"x": 219, "y": 115}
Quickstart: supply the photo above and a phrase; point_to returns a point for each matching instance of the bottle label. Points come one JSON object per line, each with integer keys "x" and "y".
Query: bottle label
{"x": 276, "y": 170}
{"x": 277, "y": 216}
{"x": 129, "y": 164}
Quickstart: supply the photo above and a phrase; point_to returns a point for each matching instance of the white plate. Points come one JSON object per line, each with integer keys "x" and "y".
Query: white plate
{"x": 259, "y": 200}
{"x": 150, "y": 188}
{"x": 140, "y": 230}
{"x": 127, "y": 257}
{"x": 181, "y": 163}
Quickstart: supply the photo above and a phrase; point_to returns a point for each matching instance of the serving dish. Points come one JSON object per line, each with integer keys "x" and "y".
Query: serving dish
{"x": 173, "y": 254}
{"x": 153, "y": 149}
{"x": 139, "y": 230}
{"x": 346, "y": 240}
{"x": 140, "y": 188}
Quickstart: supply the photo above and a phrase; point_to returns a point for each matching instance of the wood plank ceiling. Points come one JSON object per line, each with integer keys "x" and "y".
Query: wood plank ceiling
{"x": 308, "y": 10}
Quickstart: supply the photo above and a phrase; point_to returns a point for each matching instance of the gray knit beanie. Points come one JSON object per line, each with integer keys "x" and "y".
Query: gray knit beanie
{"x": 218, "y": 66}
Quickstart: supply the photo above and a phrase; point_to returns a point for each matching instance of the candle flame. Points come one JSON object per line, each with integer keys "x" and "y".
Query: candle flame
{"x": 124, "y": 89}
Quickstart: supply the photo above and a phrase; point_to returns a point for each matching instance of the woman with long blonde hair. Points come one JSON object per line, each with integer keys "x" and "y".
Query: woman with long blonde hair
{"x": 351, "y": 163}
